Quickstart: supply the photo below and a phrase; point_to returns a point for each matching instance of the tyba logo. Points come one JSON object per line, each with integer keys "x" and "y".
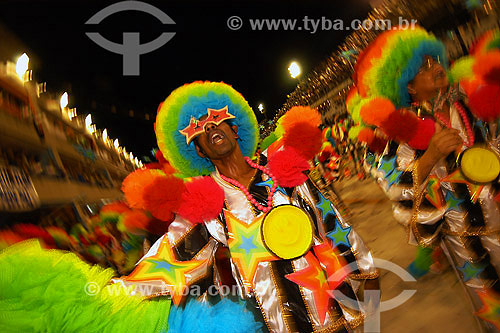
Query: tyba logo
{"x": 131, "y": 49}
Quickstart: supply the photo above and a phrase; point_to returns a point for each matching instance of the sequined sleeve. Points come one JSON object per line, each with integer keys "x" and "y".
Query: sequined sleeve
{"x": 395, "y": 173}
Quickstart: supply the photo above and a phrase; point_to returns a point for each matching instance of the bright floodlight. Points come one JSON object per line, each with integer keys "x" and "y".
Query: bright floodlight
{"x": 64, "y": 100}
{"x": 116, "y": 144}
{"x": 294, "y": 69}
{"x": 88, "y": 121}
{"x": 260, "y": 107}
{"x": 22, "y": 65}
{"x": 105, "y": 135}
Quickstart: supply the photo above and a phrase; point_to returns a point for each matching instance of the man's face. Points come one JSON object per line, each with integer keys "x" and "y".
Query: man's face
{"x": 217, "y": 141}
{"x": 430, "y": 79}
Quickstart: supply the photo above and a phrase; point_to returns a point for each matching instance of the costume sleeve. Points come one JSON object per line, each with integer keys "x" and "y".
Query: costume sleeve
{"x": 332, "y": 225}
{"x": 420, "y": 208}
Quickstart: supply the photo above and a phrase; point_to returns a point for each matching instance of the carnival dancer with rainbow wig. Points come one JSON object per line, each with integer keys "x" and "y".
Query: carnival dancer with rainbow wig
{"x": 441, "y": 164}
{"x": 256, "y": 225}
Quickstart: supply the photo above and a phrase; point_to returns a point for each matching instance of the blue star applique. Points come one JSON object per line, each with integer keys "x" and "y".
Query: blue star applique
{"x": 470, "y": 271}
{"x": 452, "y": 202}
{"x": 161, "y": 265}
{"x": 269, "y": 183}
{"x": 324, "y": 206}
{"x": 339, "y": 235}
{"x": 247, "y": 244}
{"x": 393, "y": 177}
{"x": 387, "y": 165}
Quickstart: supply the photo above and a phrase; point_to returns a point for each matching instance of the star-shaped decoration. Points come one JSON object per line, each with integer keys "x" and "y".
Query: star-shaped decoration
{"x": 387, "y": 165}
{"x": 458, "y": 177}
{"x": 269, "y": 183}
{"x": 313, "y": 278}
{"x": 194, "y": 129}
{"x": 334, "y": 263}
{"x": 339, "y": 235}
{"x": 491, "y": 307}
{"x": 325, "y": 206}
{"x": 217, "y": 116}
{"x": 393, "y": 177}
{"x": 164, "y": 267}
{"x": 246, "y": 246}
{"x": 434, "y": 194}
{"x": 452, "y": 202}
{"x": 470, "y": 271}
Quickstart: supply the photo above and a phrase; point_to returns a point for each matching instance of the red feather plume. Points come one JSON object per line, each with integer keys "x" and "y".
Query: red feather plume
{"x": 425, "y": 131}
{"x": 401, "y": 125}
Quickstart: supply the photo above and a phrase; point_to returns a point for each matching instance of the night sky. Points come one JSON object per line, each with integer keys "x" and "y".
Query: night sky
{"x": 204, "y": 48}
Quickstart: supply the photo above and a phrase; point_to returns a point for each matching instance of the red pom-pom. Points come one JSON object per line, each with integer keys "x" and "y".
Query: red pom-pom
{"x": 288, "y": 165}
{"x": 401, "y": 125}
{"x": 160, "y": 158}
{"x": 157, "y": 227}
{"x": 487, "y": 67}
{"x": 378, "y": 144}
{"x": 366, "y": 135}
{"x": 304, "y": 138}
{"x": 153, "y": 165}
{"x": 163, "y": 197}
{"x": 425, "y": 131}
{"x": 484, "y": 102}
{"x": 376, "y": 111}
{"x": 202, "y": 200}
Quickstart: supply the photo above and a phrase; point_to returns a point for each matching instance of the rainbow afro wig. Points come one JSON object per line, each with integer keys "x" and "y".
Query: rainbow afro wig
{"x": 392, "y": 60}
{"x": 193, "y": 100}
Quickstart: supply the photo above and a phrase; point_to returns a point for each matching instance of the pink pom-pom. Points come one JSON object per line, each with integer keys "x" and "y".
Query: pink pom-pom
{"x": 202, "y": 200}
{"x": 484, "y": 102}
{"x": 288, "y": 165}
{"x": 163, "y": 197}
{"x": 304, "y": 138}
{"x": 425, "y": 130}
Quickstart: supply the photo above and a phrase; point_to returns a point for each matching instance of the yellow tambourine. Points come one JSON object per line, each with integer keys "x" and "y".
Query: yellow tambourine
{"x": 479, "y": 164}
{"x": 287, "y": 232}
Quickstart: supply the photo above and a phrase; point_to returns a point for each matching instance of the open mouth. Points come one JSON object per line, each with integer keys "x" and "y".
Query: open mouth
{"x": 216, "y": 137}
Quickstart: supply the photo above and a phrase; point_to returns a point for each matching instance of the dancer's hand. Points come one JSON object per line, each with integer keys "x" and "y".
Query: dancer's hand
{"x": 443, "y": 142}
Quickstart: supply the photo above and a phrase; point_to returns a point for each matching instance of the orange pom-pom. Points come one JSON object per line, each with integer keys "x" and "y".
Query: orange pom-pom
{"x": 202, "y": 200}
{"x": 163, "y": 197}
{"x": 304, "y": 138}
{"x": 376, "y": 111}
{"x": 133, "y": 185}
{"x": 135, "y": 220}
{"x": 115, "y": 207}
{"x": 366, "y": 135}
{"x": 301, "y": 114}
